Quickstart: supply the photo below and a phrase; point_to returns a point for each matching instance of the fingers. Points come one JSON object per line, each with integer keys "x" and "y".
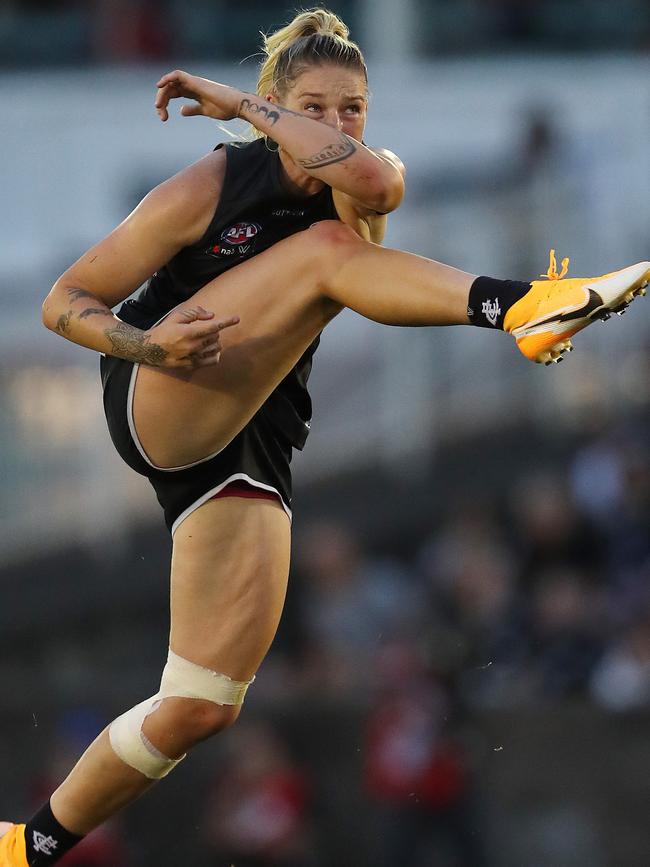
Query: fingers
{"x": 192, "y": 110}
{"x": 197, "y": 342}
{"x": 191, "y": 314}
{"x": 205, "y": 329}
{"x": 170, "y": 86}
{"x": 175, "y": 77}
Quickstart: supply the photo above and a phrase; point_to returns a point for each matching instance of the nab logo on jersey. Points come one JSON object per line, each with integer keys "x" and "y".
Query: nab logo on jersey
{"x": 235, "y": 239}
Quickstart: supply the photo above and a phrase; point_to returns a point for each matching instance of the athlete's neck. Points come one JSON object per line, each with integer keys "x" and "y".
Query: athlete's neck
{"x": 298, "y": 181}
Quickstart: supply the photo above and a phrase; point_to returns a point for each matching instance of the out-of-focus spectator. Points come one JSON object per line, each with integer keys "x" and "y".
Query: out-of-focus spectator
{"x": 352, "y": 605}
{"x": 258, "y": 812}
{"x": 415, "y": 770}
{"x": 550, "y": 531}
{"x": 475, "y": 621}
{"x": 610, "y": 477}
{"x": 567, "y": 632}
{"x": 131, "y": 31}
{"x": 106, "y": 846}
{"x": 621, "y": 681}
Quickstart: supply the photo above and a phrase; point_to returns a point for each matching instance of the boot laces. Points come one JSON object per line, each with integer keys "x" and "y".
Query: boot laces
{"x": 552, "y": 274}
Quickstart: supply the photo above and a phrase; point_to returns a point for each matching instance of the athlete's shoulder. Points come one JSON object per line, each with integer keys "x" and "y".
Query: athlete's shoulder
{"x": 188, "y": 199}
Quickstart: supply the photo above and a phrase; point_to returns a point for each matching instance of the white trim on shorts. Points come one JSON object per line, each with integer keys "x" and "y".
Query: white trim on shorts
{"x": 136, "y": 440}
{"x": 241, "y": 477}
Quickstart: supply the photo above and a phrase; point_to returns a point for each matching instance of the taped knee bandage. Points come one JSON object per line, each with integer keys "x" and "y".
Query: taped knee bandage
{"x": 180, "y": 679}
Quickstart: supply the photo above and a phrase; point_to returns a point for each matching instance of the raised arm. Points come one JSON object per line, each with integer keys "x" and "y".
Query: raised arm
{"x": 346, "y": 165}
{"x": 172, "y": 216}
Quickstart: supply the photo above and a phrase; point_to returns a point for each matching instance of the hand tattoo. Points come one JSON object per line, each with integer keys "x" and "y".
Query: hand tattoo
{"x": 330, "y": 154}
{"x": 133, "y": 345}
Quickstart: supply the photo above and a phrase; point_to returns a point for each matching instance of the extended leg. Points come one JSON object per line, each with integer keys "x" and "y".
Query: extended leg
{"x": 286, "y": 295}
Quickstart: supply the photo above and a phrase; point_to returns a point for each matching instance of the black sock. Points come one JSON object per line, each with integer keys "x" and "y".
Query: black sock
{"x": 490, "y": 300}
{"x": 46, "y": 839}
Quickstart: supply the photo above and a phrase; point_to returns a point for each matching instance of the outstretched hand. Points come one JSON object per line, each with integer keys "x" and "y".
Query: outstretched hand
{"x": 210, "y": 98}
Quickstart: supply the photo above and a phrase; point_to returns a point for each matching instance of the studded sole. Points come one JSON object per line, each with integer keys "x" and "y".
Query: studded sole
{"x": 555, "y": 353}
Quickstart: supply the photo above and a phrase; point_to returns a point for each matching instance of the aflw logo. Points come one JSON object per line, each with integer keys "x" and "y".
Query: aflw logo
{"x": 240, "y": 233}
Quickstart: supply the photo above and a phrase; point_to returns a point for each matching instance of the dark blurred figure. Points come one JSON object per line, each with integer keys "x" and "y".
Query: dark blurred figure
{"x": 258, "y": 812}
{"x": 610, "y": 479}
{"x": 352, "y": 605}
{"x": 549, "y": 531}
{"x": 416, "y": 771}
{"x": 476, "y": 625}
{"x": 128, "y": 31}
{"x": 621, "y": 680}
{"x": 567, "y": 633}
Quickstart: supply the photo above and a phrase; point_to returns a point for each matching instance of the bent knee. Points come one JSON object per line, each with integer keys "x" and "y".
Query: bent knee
{"x": 332, "y": 235}
{"x": 190, "y": 721}
{"x": 325, "y": 248}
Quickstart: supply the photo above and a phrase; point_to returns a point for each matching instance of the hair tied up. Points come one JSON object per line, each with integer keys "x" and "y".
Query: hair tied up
{"x": 314, "y": 36}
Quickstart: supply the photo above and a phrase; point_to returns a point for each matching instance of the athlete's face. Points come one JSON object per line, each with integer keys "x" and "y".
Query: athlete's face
{"x": 331, "y": 94}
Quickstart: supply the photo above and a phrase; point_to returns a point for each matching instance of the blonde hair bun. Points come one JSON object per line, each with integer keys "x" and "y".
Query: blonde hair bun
{"x": 313, "y": 36}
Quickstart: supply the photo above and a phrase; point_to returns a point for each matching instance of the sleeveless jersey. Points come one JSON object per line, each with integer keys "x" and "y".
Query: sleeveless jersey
{"x": 255, "y": 211}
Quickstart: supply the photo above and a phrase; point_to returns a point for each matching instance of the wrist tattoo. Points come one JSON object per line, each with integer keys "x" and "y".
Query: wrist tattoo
{"x": 272, "y": 115}
{"x": 330, "y": 154}
{"x": 133, "y": 344}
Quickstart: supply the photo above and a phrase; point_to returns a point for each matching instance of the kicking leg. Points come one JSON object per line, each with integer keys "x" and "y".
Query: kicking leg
{"x": 284, "y": 297}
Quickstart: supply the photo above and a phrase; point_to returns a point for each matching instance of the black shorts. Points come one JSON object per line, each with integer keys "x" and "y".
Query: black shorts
{"x": 259, "y": 454}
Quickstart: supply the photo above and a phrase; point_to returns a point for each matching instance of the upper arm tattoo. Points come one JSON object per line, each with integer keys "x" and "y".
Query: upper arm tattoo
{"x": 75, "y": 294}
{"x": 90, "y": 311}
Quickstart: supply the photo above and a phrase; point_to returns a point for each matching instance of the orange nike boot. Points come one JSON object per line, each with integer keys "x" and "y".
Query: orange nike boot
{"x": 550, "y": 313}
{"x": 12, "y": 845}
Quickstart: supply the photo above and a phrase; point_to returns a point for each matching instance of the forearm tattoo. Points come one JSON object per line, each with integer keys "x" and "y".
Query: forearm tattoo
{"x": 94, "y": 311}
{"x": 126, "y": 341}
{"x": 75, "y": 294}
{"x": 332, "y": 153}
{"x": 134, "y": 345}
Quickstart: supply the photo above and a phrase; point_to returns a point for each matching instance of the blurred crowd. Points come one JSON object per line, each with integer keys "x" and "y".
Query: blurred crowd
{"x": 117, "y": 31}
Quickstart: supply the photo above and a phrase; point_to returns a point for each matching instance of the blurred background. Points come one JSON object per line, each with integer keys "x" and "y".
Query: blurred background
{"x": 462, "y": 674}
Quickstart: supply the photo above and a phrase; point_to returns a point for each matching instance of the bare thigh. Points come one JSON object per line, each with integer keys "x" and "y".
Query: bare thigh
{"x": 181, "y": 417}
{"x": 230, "y": 564}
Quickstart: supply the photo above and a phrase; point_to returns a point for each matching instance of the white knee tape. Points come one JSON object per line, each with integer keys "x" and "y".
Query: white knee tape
{"x": 181, "y": 679}
{"x": 131, "y": 744}
{"x": 186, "y": 679}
